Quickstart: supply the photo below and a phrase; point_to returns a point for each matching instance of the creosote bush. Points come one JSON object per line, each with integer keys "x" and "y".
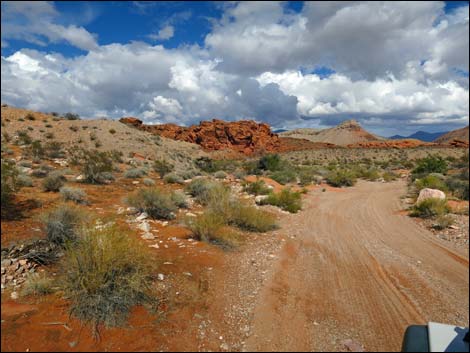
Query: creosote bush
{"x": 341, "y": 178}
{"x": 106, "y": 274}
{"x": 173, "y": 178}
{"x": 163, "y": 167}
{"x": 257, "y": 187}
{"x": 135, "y": 173}
{"x": 96, "y": 166}
{"x": 9, "y": 180}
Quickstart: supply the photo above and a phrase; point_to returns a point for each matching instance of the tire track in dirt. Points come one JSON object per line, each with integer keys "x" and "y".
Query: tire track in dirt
{"x": 357, "y": 269}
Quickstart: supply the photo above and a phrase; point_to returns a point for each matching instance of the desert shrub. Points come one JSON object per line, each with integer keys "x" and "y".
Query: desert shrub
{"x": 135, "y": 173}
{"x": 211, "y": 227}
{"x": 220, "y": 174}
{"x": 428, "y": 208}
{"x": 173, "y": 178}
{"x": 71, "y": 116}
{"x": 76, "y": 195}
{"x": 54, "y": 149}
{"x": 371, "y": 174}
{"x": 271, "y": 162}
{"x": 284, "y": 176}
{"x": 155, "y": 202}
{"x": 49, "y": 135}
{"x": 443, "y": 221}
{"x": 256, "y": 188}
{"x": 430, "y": 181}
{"x": 179, "y": 199}
{"x": 26, "y": 164}
{"x": 96, "y": 166}
{"x": 23, "y": 138}
{"x": 62, "y": 224}
{"x": 39, "y": 173}
{"x": 148, "y": 182}
{"x": 431, "y": 164}
{"x": 389, "y": 176}
{"x": 30, "y": 116}
{"x": 250, "y": 218}
{"x": 341, "y": 177}
{"x": 9, "y": 182}
{"x": 112, "y": 131}
{"x": 105, "y": 275}
{"x": 93, "y": 136}
{"x": 73, "y": 128}
{"x": 306, "y": 177}
{"x": 24, "y": 180}
{"x": 6, "y": 136}
{"x": 37, "y": 284}
{"x": 206, "y": 164}
{"x": 204, "y": 190}
{"x": 163, "y": 167}
{"x": 287, "y": 200}
{"x": 458, "y": 187}
{"x": 53, "y": 182}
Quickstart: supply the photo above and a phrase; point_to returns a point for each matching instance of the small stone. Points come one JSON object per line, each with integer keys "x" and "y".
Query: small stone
{"x": 135, "y": 182}
{"x": 190, "y": 214}
{"x": 23, "y": 262}
{"x": 80, "y": 177}
{"x": 161, "y": 277}
{"x": 144, "y": 226}
{"x": 148, "y": 236}
{"x": 156, "y": 246}
{"x": 224, "y": 346}
{"x": 14, "y": 295}
{"x": 189, "y": 274}
{"x": 6, "y": 263}
{"x": 142, "y": 216}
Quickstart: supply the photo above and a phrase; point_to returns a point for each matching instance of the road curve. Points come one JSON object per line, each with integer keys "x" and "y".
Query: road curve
{"x": 357, "y": 269}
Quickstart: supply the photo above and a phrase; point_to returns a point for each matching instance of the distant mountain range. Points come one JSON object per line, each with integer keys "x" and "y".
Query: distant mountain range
{"x": 420, "y": 135}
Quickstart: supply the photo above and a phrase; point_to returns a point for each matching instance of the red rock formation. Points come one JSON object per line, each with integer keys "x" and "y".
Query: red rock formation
{"x": 245, "y": 136}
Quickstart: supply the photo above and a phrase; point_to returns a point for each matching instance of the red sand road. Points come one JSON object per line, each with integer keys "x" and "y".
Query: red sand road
{"x": 357, "y": 269}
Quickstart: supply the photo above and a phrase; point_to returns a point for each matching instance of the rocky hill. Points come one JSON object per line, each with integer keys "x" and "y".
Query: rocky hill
{"x": 455, "y": 137}
{"x": 243, "y": 136}
{"x": 100, "y": 134}
{"x": 347, "y": 133}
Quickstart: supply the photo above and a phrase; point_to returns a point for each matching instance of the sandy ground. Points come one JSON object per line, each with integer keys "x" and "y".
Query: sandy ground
{"x": 354, "y": 268}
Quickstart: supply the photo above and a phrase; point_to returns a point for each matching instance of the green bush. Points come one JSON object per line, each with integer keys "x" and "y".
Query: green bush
{"x": 30, "y": 116}
{"x": 250, "y": 218}
{"x": 112, "y": 131}
{"x": 35, "y": 150}
{"x": 204, "y": 190}
{"x": 53, "y": 182}
{"x": 220, "y": 174}
{"x": 458, "y": 187}
{"x": 211, "y": 227}
{"x": 163, "y": 167}
{"x": 54, "y": 149}
{"x": 389, "y": 176}
{"x": 430, "y": 208}
{"x": 179, "y": 199}
{"x": 443, "y": 221}
{"x": 24, "y": 180}
{"x": 135, "y": 173}
{"x": 10, "y": 185}
{"x": 271, "y": 162}
{"x": 62, "y": 224}
{"x": 431, "y": 164}
{"x": 71, "y": 116}
{"x": 284, "y": 176}
{"x": 76, "y": 195}
{"x": 341, "y": 177}
{"x": 173, "y": 178}
{"x": 430, "y": 181}
{"x": 96, "y": 166}
{"x": 155, "y": 202}
{"x": 23, "y": 138}
{"x": 257, "y": 187}
{"x": 148, "y": 182}
{"x": 106, "y": 274}
{"x": 287, "y": 200}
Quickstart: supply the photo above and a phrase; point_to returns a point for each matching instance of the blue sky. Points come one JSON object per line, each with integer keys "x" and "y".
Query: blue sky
{"x": 397, "y": 68}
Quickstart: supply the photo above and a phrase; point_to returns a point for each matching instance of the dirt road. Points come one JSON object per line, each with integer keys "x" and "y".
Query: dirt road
{"x": 357, "y": 269}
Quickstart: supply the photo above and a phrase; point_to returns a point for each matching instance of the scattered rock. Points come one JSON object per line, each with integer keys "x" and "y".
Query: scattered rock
{"x": 352, "y": 346}
{"x": 427, "y": 193}
{"x": 260, "y": 198}
{"x": 161, "y": 277}
{"x": 14, "y": 295}
{"x": 80, "y": 177}
{"x": 142, "y": 216}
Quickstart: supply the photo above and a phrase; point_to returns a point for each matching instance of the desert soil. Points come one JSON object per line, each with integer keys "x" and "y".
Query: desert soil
{"x": 355, "y": 272}
{"x": 349, "y": 271}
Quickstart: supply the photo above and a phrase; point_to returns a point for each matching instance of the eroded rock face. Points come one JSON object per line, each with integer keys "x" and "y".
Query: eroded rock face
{"x": 430, "y": 194}
{"x": 244, "y": 136}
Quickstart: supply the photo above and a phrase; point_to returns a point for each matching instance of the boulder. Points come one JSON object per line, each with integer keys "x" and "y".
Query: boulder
{"x": 427, "y": 193}
{"x": 260, "y": 198}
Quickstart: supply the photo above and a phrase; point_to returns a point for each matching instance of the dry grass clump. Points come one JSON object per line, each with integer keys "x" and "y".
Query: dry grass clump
{"x": 429, "y": 208}
{"x": 37, "y": 284}
{"x": 62, "y": 224}
{"x": 76, "y": 195}
{"x": 105, "y": 275}
{"x": 290, "y": 201}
